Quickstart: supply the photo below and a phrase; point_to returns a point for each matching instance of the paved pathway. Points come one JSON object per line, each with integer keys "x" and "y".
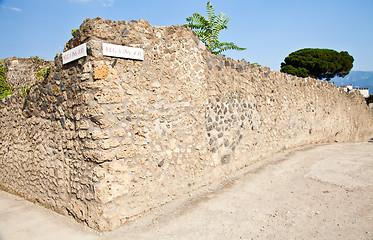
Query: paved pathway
{"x": 318, "y": 192}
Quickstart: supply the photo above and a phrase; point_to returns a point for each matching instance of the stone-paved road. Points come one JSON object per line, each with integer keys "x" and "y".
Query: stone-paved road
{"x": 318, "y": 192}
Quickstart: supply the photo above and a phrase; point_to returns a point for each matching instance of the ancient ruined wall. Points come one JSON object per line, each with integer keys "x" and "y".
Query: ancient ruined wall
{"x": 106, "y": 139}
{"x": 23, "y": 72}
{"x": 40, "y": 155}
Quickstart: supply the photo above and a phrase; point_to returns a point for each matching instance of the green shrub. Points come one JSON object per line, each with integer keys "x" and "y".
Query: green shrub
{"x": 5, "y": 89}
{"x": 43, "y": 72}
{"x": 25, "y": 91}
{"x": 73, "y": 31}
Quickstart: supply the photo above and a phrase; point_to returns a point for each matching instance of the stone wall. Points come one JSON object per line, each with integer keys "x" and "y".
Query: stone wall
{"x": 23, "y": 72}
{"x": 105, "y": 139}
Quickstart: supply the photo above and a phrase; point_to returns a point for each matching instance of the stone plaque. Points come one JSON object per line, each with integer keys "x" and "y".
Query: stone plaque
{"x": 75, "y": 53}
{"x": 120, "y": 51}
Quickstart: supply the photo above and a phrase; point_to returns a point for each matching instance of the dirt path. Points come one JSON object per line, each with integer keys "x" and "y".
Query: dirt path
{"x": 320, "y": 192}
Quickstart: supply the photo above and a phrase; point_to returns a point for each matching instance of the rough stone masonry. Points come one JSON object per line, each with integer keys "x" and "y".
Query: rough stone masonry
{"x": 106, "y": 139}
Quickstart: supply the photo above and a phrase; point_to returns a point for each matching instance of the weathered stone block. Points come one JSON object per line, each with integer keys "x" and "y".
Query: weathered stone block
{"x": 109, "y": 96}
{"x": 113, "y": 74}
{"x": 225, "y": 159}
{"x": 101, "y": 72}
{"x": 126, "y": 152}
{"x": 114, "y": 181}
{"x": 109, "y": 143}
{"x": 99, "y": 134}
{"x": 94, "y": 111}
{"x": 102, "y": 122}
{"x": 98, "y": 156}
{"x": 119, "y": 132}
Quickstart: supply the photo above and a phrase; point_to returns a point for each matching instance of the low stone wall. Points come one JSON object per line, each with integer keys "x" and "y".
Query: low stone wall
{"x": 105, "y": 139}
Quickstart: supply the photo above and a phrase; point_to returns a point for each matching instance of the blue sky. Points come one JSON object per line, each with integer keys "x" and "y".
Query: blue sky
{"x": 269, "y": 29}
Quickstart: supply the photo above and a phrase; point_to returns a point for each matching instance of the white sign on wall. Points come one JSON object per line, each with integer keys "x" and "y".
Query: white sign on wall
{"x": 113, "y": 50}
{"x": 74, "y": 53}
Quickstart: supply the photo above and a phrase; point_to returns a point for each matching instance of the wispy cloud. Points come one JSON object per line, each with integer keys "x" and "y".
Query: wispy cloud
{"x": 107, "y": 3}
{"x": 80, "y": 1}
{"x": 12, "y": 8}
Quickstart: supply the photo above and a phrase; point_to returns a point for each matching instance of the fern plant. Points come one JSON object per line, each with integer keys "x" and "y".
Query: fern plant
{"x": 208, "y": 30}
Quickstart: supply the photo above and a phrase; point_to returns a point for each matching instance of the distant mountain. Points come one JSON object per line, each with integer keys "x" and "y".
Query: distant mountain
{"x": 360, "y": 79}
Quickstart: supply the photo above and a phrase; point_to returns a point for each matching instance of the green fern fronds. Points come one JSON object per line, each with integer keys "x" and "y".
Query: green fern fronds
{"x": 208, "y": 30}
